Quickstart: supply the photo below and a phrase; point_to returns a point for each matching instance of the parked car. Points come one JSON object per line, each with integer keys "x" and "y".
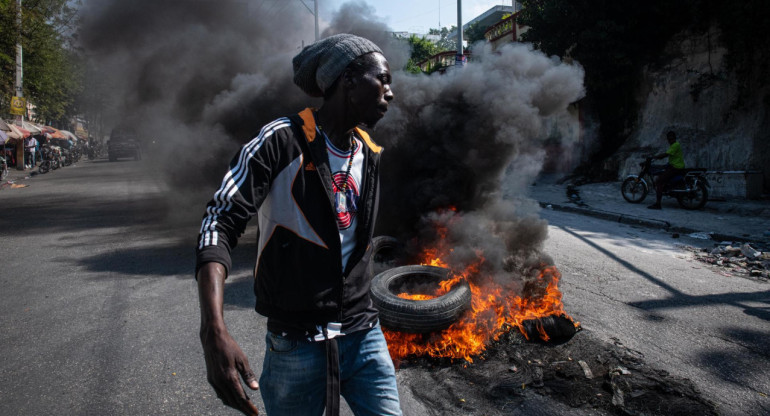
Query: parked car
{"x": 123, "y": 143}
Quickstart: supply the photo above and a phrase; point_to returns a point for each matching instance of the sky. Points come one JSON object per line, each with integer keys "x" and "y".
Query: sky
{"x": 416, "y": 16}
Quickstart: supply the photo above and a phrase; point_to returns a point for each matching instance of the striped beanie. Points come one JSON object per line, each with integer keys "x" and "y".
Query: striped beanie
{"x": 321, "y": 63}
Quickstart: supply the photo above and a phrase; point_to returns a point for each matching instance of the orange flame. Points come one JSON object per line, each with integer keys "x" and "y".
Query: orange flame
{"x": 494, "y": 311}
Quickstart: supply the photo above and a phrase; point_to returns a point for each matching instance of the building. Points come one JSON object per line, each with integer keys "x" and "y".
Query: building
{"x": 488, "y": 18}
{"x": 505, "y": 31}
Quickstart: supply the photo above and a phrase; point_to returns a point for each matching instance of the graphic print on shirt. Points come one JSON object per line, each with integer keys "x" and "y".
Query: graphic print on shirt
{"x": 345, "y": 200}
{"x": 345, "y": 182}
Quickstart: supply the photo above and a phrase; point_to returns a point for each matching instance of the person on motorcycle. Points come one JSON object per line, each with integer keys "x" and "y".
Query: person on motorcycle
{"x": 674, "y": 167}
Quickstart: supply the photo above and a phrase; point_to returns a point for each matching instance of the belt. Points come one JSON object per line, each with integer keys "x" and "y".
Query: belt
{"x": 332, "y": 375}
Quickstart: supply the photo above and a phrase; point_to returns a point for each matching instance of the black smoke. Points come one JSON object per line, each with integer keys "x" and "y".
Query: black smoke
{"x": 456, "y": 142}
{"x": 198, "y": 78}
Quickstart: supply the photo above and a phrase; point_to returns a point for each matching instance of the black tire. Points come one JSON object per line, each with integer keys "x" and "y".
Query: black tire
{"x": 385, "y": 252}
{"x": 418, "y": 316}
{"x": 694, "y": 199}
{"x": 45, "y": 166}
{"x": 634, "y": 190}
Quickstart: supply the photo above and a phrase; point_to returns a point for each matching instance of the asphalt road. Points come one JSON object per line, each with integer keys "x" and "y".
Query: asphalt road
{"x": 100, "y": 311}
{"x": 639, "y": 287}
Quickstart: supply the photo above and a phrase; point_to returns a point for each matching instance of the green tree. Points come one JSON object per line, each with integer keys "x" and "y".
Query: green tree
{"x": 444, "y": 43}
{"x": 52, "y": 77}
{"x": 422, "y": 49}
{"x": 475, "y": 33}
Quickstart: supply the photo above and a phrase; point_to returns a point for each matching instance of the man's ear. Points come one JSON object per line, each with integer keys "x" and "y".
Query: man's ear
{"x": 349, "y": 79}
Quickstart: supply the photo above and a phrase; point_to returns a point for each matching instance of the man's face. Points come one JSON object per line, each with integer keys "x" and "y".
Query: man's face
{"x": 371, "y": 93}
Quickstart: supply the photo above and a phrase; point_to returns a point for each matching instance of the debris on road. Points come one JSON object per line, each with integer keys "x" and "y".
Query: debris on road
{"x": 736, "y": 259}
{"x": 586, "y": 373}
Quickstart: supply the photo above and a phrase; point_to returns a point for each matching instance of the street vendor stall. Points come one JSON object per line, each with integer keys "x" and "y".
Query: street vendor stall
{"x": 14, "y": 146}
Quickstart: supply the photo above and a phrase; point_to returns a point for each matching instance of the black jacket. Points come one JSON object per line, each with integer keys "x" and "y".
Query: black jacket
{"x": 283, "y": 176}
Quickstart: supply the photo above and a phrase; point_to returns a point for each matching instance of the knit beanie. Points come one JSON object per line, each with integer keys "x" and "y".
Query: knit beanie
{"x": 321, "y": 63}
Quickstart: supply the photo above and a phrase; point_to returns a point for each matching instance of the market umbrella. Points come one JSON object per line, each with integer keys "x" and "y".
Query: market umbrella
{"x": 32, "y": 128}
{"x": 54, "y": 132}
{"x": 69, "y": 135}
{"x": 21, "y": 132}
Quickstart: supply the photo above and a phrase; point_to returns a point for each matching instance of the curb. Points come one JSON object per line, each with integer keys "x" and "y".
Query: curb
{"x": 634, "y": 220}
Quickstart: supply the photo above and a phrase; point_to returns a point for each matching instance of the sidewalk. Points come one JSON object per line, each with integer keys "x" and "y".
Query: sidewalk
{"x": 732, "y": 220}
{"x": 20, "y": 176}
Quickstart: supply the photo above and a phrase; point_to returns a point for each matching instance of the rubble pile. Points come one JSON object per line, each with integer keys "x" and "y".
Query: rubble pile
{"x": 736, "y": 259}
{"x": 520, "y": 377}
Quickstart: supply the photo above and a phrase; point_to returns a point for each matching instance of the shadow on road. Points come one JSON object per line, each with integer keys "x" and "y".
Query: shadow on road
{"x": 734, "y": 368}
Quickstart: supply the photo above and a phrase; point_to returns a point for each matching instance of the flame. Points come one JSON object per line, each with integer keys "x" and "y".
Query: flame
{"x": 494, "y": 310}
{"x": 416, "y": 297}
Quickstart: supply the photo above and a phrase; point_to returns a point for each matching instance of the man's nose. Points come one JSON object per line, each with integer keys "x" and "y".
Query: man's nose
{"x": 388, "y": 93}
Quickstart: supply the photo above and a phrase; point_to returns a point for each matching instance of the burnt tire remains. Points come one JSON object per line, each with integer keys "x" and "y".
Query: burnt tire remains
{"x": 418, "y": 316}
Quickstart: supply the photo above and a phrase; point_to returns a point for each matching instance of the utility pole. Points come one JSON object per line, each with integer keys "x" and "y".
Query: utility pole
{"x": 19, "y": 68}
{"x": 460, "y": 57}
{"x": 19, "y": 87}
{"x": 315, "y": 2}
{"x": 315, "y": 13}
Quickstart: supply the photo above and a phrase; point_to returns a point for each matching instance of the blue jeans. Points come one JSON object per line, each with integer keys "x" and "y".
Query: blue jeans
{"x": 293, "y": 380}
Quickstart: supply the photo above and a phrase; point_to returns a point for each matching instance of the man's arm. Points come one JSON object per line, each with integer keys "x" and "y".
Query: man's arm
{"x": 225, "y": 361}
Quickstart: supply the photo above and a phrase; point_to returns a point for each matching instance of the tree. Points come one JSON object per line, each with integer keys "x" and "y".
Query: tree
{"x": 444, "y": 43}
{"x": 475, "y": 33}
{"x": 51, "y": 70}
{"x": 422, "y": 49}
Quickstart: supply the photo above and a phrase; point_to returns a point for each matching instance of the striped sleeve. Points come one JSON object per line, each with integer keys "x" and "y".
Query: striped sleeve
{"x": 243, "y": 189}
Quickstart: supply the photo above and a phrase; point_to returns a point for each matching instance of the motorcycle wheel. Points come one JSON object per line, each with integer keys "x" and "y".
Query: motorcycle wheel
{"x": 634, "y": 190}
{"x": 694, "y": 199}
{"x": 45, "y": 166}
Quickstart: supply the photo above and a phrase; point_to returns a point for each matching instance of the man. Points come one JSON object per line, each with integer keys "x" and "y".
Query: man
{"x": 312, "y": 179}
{"x": 30, "y": 144}
{"x": 674, "y": 167}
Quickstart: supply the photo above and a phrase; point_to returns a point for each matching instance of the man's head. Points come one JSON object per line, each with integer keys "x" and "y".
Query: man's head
{"x": 671, "y": 137}
{"x": 350, "y": 67}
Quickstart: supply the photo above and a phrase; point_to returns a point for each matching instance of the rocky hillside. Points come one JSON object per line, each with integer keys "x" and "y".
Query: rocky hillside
{"x": 720, "y": 116}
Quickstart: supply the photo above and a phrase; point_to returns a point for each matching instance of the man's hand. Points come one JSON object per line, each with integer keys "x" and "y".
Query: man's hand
{"x": 225, "y": 365}
{"x": 225, "y": 361}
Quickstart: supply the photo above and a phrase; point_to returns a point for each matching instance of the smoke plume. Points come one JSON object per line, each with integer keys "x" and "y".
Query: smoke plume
{"x": 455, "y": 141}
{"x": 201, "y": 77}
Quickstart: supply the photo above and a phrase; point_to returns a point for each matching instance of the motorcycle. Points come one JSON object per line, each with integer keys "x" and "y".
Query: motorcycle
{"x": 690, "y": 189}
{"x": 51, "y": 160}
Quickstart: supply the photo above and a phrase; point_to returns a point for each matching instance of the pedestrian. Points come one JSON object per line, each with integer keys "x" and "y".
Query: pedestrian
{"x": 674, "y": 167}
{"x": 37, "y": 152}
{"x": 30, "y": 143}
{"x": 312, "y": 180}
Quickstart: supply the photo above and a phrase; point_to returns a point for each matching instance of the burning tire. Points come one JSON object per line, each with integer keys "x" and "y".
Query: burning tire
{"x": 418, "y": 316}
{"x": 386, "y": 251}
